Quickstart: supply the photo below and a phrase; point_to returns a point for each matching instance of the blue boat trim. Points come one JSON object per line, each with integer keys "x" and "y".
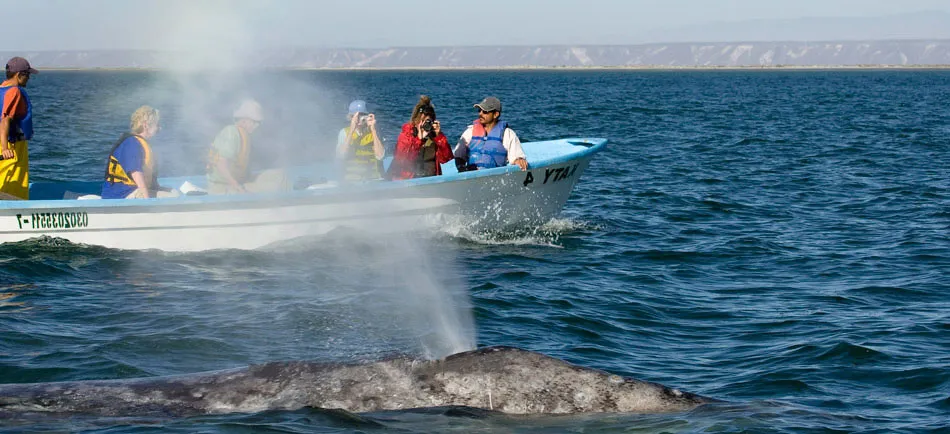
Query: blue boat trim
{"x": 580, "y": 148}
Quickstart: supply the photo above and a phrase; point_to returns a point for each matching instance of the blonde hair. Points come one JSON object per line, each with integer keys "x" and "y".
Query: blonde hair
{"x": 424, "y": 106}
{"x": 142, "y": 117}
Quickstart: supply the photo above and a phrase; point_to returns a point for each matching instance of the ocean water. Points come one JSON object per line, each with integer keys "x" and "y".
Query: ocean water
{"x": 778, "y": 240}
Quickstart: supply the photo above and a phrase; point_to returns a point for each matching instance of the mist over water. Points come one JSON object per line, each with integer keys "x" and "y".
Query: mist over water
{"x": 777, "y": 240}
{"x": 399, "y": 288}
{"x": 218, "y": 65}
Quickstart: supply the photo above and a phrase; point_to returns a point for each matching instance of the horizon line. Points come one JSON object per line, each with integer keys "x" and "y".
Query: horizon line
{"x": 298, "y": 47}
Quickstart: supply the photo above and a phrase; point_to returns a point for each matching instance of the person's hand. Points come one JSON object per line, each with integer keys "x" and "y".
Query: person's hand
{"x": 436, "y": 128}
{"x": 522, "y": 163}
{"x": 353, "y": 121}
{"x": 420, "y": 133}
{"x": 371, "y": 121}
{"x": 8, "y": 153}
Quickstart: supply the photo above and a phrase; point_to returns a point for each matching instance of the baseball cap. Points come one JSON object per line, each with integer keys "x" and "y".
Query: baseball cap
{"x": 358, "y": 106}
{"x": 489, "y": 104}
{"x": 249, "y": 109}
{"x": 19, "y": 64}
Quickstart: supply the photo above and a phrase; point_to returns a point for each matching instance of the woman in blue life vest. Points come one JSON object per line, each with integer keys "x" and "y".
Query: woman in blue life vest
{"x": 359, "y": 147}
{"x": 16, "y": 129}
{"x": 489, "y": 142}
{"x": 131, "y": 171}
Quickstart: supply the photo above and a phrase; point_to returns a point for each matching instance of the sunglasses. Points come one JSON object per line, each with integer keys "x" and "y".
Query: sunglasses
{"x": 483, "y": 111}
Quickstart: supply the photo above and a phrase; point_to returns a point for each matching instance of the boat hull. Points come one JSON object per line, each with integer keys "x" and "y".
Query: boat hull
{"x": 492, "y": 200}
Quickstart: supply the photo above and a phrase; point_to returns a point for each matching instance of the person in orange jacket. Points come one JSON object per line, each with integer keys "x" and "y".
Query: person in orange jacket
{"x": 16, "y": 129}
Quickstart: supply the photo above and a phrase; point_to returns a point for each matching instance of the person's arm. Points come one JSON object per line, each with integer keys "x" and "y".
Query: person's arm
{"x": 461, "y": 150}
{"x": 443, "y": 153}
{"x": 378, "y": 148}
{"x": 227, "y": 145}
{"x": 406, "y": 152}
{"x": 341, "y": 143}
{"x": 515, "y": 152}
{"x": 222, "y": 166}
{"x": 11, "y": 100}
{"x": 400, "y": 153}
{"x": 344, "y": 141}
{"x": 5, "y": 150}
{"x": 141, "y": 184}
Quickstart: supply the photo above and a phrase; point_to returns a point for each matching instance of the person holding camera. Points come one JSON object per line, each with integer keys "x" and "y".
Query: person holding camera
{"x": 359, "y": 146}
{"x": 421, "y": 147}
{"x": 489, "y": 142}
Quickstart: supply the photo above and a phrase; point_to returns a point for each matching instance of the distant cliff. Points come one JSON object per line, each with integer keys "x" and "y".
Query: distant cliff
{"x": 736, "y": 54}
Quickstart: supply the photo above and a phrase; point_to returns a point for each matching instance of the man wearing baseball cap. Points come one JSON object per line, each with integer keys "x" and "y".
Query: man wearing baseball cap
{"x": 16, "y": 128}
{"x": 489, "y": 142}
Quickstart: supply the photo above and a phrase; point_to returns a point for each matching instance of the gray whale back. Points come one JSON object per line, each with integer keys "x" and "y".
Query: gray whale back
{"x": 504, "y": 379}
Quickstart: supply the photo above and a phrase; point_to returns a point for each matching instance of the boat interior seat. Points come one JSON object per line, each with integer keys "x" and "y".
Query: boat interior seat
{"x": 64, "y": 190}
{"x": 72, "y": 195}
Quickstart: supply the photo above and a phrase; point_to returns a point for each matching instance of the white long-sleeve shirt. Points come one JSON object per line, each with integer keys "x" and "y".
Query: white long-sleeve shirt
{"x": 509, "y": 140}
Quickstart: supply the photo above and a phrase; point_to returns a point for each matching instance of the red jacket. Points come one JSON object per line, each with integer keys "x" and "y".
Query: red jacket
{"x": 406, "y": 155}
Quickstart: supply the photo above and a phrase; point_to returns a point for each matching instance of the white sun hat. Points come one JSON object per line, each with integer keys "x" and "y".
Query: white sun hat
{"x": 249, "y": 109}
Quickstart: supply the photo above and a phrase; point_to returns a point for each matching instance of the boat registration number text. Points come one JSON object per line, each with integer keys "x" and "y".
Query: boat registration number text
{"x": 53, "y": 220}
{"x": 553, "y": 175}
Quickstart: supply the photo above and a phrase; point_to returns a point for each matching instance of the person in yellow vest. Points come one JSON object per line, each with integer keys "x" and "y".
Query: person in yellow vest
{"x": 132, "y": 172}
{"x": 359, "y": 147}
{"x": 230, "y": 155}
{"x": 16, "y": 128}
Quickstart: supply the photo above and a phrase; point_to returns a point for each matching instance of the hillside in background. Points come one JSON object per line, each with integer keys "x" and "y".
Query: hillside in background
{"x": 924, "y": 25}
{"x": 734, "y": 54}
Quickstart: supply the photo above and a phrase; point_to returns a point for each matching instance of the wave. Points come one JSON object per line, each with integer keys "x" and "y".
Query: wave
{"x": 547, "y": 235}
{"x": 851, "y": 354}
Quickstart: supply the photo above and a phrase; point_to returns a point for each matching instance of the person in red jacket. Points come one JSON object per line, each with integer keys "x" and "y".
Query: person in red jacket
{"x": 421, "y": 147}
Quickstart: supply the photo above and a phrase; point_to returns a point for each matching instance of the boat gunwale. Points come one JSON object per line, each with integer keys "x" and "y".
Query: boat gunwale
{"x": 344, "y": 192}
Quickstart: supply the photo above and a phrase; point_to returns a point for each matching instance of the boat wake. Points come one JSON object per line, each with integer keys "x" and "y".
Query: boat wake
{"x": 546, "y": 235}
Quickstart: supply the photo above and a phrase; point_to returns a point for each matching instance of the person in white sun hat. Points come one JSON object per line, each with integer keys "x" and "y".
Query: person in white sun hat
{"x": 230, "y": 154}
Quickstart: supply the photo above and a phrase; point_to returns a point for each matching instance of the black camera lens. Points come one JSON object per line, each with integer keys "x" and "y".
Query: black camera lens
{"x": 427, "y": 125}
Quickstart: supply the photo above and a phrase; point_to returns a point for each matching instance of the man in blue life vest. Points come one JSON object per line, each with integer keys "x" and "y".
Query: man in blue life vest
{"x": 16, "y": 128}
{"x": 489, "y": 142}
{"x": 358, "y": 146}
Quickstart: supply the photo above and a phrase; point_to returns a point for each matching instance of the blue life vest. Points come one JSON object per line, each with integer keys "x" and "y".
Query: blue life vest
{"x": 20, "y": 129}
{"x": 486, "y": 150}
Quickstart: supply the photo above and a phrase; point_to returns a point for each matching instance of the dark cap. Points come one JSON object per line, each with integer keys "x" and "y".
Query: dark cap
{"x": 19, "y": 64}
{"x": 489, "y": 104}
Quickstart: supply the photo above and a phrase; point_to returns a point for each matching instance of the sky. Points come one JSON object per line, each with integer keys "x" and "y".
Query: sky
{"x": 176, "y": 24}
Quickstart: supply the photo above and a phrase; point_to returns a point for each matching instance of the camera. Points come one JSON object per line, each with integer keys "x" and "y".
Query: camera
{"x": 427, "y": 126}
{"x": 363, "y": 117}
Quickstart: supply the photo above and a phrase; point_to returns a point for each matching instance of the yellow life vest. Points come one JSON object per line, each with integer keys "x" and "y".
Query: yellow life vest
{"x": 238, "y": 167}
{"x": 361, "y": 163}
{"x": 116, "y": 173}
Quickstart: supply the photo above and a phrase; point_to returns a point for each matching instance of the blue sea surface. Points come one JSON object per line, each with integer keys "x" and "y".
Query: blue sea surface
{"x": 778, "y": 240}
